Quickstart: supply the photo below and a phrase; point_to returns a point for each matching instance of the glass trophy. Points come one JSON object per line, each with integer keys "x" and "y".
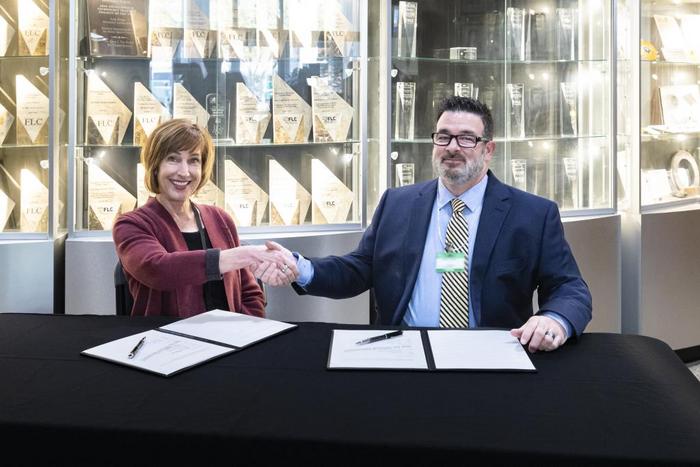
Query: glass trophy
{"x": 515, "y": 33}
{"x": 404, "y": 125}
{"x": 466, "y": 90}
{"x": 515, "y": 127}
{"x": 405, "y": 174}
{"x": 570, "y": 191}
{"x": 218, "y": 109}
{"x": 518, "y": 168}
{"x": 566, "y": 33}
{"x": 568, "y": 114}
{"x": 536, "y": 46}
{"x": 438, "y": 93}
{"x": 407, "y": 25}
{"x": 539, "y": 121}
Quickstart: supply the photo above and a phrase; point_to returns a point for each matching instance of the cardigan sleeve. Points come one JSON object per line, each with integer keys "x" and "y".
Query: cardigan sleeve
{"x": 141, "y": 249}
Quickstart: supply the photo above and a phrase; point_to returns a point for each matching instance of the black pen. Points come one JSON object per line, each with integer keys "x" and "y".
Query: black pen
{"x": 137, "y": 347}
{"x": 379, "y": 338}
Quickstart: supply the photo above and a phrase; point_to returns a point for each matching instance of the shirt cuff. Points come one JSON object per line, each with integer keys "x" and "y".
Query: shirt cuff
{"x": 559, "y": 319}
{"x": 306, "y": 270}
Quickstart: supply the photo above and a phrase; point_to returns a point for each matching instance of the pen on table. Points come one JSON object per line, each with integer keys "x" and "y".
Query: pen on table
{"x": 137, "y": 347}
{"x": 379, "y": 338}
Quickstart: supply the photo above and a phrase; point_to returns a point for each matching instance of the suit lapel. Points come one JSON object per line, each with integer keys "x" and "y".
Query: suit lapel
{"x": 414, "y": 243}
{"x": 494, "y": 210}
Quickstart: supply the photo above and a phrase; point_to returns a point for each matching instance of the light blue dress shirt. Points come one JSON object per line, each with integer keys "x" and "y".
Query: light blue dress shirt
{"x": 424, "y": 306}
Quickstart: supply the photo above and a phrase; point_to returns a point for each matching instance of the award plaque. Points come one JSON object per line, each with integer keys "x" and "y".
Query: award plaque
{"x": 404, "y": 123}
{"x": 690, "y": 27}
{"x": 466, "y": 90}
{"x": 407, "y": 28}
{"x": 655, "y": 186}
{"x": 186, "y": 106}
{"x": 6, "y": 120}
{"x": 332, "y": 114}
{"x": 304, "y": 20}
{"x": 331, "y": 199}
{"x": 107, "y": 116}
{"x": 117, "y": 27}
{"x": 200, "y": 38}
{"x": 515, "y": 33}
{"x": 680, "y": 107}
{"x": 165, "y": 24}
{"x": 568, "y": 113}
{"x": 518, "y": 168}
{"x": 233, "y": 42}
{"x": 291, "y": 114}
{"x": 32, "y": 113}
{"x": 515, "y": 127}
{"x": 252, "y": 116}
{"x": 405, "y": 174}
{"x": 218, "y": 108}
{"x": 338, "y": 32}
{"x": 6, "y": 207}
{"x": 671, "y": 38}
{"x": 34, "y": 201}
{"x": 566, "y": 36}
{"x": 210, "y": 194}
{"x": 33, "y": 25}
{"x": 7, "y": 32}
{"x": 245, "y": 200}
{"x": 289, "y": 201}
{"x": 142, "y": 194}
{"x": 106, "y": 199}
{"x": 148, "y": 113}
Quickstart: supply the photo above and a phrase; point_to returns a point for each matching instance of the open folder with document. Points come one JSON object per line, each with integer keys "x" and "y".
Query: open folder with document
{"x": 189, "y": 342}
{"x": 439, "y": 349}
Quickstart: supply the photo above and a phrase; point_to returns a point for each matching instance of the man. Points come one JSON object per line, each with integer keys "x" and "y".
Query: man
{"x": 474, "y": 261}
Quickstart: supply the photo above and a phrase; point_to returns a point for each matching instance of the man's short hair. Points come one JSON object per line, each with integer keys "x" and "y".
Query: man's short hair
{"x": 469, "y": 105}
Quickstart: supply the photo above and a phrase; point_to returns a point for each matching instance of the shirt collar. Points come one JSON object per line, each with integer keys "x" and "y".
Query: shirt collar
{"x": 473, "y": 197}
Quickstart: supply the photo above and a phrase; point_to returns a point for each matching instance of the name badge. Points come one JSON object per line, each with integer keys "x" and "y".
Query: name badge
{"x": 450, "y": 262}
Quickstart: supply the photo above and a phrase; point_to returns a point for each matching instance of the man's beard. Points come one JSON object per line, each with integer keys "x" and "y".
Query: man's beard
{"x": 470, "y": 171}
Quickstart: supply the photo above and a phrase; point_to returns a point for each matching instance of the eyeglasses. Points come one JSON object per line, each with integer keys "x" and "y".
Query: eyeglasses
{"x": 463, "y": 141}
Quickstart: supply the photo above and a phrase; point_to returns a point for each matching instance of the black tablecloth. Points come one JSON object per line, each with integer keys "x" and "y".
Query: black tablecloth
{"x": 606, "y": 398}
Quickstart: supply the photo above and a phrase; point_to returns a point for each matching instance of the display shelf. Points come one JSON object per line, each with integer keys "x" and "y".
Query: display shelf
{"x": 494, "y": 61}
{"x": 286, "y": 120}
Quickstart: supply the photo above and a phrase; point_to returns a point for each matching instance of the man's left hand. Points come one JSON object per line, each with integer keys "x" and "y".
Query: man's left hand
{"x": 540, "y": 333}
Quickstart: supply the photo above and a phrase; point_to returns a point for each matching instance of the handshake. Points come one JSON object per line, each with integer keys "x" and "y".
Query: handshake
{"x": 272, "y": 263}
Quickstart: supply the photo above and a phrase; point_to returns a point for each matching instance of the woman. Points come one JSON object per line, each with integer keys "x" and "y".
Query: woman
{"x": 182, "y": 259}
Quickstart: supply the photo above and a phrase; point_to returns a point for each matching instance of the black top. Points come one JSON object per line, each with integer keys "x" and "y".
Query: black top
{"x": 604, "y": 399}
{"x": 214, "y": 291}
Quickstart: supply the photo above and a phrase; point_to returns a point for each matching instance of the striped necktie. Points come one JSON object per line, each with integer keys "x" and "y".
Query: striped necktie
{"x": 454, "y": 295}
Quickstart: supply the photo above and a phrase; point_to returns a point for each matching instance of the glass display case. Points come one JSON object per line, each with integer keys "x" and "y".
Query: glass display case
{"x": 32, "y": 117}
{"x": 276, "y": 83}
{"x": 669, "y": 77}
{"x": 542, "y": 67}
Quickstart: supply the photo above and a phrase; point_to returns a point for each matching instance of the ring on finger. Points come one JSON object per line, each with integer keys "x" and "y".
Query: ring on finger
{"x": 549, "y": 333}
{"x": 285, "y": 268}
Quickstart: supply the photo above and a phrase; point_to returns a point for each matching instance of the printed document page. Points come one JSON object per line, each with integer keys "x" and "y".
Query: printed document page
{"x": 478, "y": 350}
{"x": 160, "y": 352}
{"x": 400, "y": 352}
{"x": 228, "y": 328}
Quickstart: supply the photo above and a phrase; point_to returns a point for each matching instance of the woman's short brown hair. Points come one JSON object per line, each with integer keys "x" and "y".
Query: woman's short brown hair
{"x": 171, "y": 137}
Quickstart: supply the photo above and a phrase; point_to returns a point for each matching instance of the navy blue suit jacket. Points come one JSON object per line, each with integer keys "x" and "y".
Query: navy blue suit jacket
{"x": 520, "y": 247}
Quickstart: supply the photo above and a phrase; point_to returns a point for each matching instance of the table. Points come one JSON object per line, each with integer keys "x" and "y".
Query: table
{"x": 605, "y": 399}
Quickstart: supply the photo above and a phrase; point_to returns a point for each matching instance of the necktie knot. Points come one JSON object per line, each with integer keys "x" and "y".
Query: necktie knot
{"x": 458, "y": 205}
